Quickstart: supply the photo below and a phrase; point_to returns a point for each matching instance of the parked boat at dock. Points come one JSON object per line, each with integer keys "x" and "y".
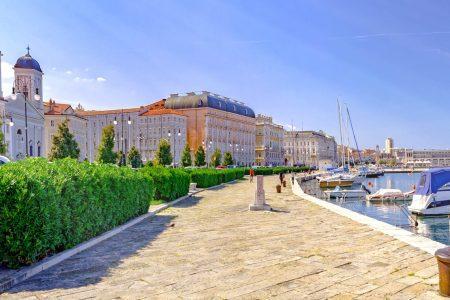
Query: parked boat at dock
{"x": 338, "y": 192}
{"x": 432, "y": 196}
{"x": 335, "y": 180}
{"x": 389, "y": 195}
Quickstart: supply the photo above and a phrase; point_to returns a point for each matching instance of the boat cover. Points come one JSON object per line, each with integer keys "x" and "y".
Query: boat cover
{"x": 432, "y": 180}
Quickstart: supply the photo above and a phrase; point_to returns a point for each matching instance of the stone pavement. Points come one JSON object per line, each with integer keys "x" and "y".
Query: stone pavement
{"x": 211, "y": 246}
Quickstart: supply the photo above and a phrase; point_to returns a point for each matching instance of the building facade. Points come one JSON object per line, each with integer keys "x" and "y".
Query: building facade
{"x": 56, "y": 113}
{"x": 268, "y": 142}
{"x": 22, "y": 112}
{"x": 312, "y": 148}
{"x": 217, "y": 122}
{"x": 427, "y": 158}
{"x": 142, "y": 127}
{"x": 389, "y": 146}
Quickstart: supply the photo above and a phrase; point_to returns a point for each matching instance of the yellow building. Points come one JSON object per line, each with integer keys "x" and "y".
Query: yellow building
{"x": 217, "y": 122}
{"x": 269, "y": 142}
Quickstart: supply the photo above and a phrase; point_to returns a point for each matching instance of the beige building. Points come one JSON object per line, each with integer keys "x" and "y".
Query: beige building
{"x": 55, "y": 114}
{"x": 269, "y": 142}
{"x": 427, "y": 158}
{"x": 142, "y": 127}
{"x": 313, "y": 148}
{"x": 217, "y": 122}
{"x": 389, "y": 146}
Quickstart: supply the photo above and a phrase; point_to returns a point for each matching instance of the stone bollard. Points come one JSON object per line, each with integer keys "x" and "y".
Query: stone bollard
{"x": 443, "y": 259}
{"x": 260, "y": 197}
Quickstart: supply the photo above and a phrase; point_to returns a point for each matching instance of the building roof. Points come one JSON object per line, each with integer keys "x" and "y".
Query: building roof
{"x": 166, "y": 111}
{"x": 110, "y": 111}
{"x": 207, "y": 99}
{"x": 27, "y": 62}
{"x": 52, "y": 108}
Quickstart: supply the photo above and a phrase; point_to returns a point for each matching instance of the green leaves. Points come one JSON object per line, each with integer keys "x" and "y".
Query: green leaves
{"x": 163, "y": 155}
{"x": 211, "y": 177}
{"x": 200, "y": 157}
{"x": 106, "y": 155}
{"x": 186, "y": 159}
{"x": 48, "y": 207}
{"x": 64, "y": 144}
{"x": 170, "y": 183}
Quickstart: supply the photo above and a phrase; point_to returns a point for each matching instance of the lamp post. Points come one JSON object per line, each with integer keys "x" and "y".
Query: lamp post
{"x": 11, "y": 124}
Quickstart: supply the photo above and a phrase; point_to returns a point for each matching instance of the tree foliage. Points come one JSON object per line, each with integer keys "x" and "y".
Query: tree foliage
{"x": 106, "y": 155}
{"x": 64, "y": 144}
{"x": 227, "y": 159}
{"x": 216, "y": 158}
{"x": 200, "y": 157}
{"x": 134, "y": 158}
{"x": 163, "y": 155}
{"x": 2, "y": 141}
{"x": 186, "y": 159}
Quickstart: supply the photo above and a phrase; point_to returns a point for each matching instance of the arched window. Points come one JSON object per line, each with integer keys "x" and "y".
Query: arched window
{"x": 19, "y": 132}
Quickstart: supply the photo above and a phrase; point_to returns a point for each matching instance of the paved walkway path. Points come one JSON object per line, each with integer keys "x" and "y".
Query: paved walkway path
{"x": 211, "y": 246}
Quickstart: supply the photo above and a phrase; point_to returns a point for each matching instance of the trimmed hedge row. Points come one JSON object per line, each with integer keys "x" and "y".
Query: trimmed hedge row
{"x": 276, "y": 170}
{"x": 210, "y": 177}
{"x": 48, "y": 207}
{"x": 170, "y": 184}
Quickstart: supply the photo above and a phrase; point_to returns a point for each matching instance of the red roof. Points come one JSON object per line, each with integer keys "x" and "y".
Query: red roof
{"x": 53, "y": 108}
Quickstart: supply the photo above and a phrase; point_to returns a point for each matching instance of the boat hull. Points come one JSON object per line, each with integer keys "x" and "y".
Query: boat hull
{"x": 335, "y": 183}
{"x": 431, "y": 205}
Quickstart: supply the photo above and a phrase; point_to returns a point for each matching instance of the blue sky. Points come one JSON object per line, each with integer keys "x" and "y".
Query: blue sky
{"x": 388, "y": 60}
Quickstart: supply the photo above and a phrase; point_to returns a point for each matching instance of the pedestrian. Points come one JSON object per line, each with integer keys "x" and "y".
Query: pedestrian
{"x": 252, "y": 173}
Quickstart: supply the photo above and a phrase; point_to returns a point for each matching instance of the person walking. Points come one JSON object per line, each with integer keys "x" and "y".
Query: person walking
{"x": 252, "y": 173}
{"x": 281, "y": 178}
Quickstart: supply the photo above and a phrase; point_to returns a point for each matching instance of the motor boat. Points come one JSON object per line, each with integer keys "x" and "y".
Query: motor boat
{"x": 432, "y": 196}
{"x": 389, "y": 194}
{"x": 335, "y": 180}
{"x": 338, "y": 192}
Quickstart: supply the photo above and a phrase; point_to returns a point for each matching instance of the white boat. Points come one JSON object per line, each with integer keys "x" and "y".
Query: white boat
{"x": 387, "y": 194}
{"x": 432, "y": 196}
{"x": 338, "y": 192}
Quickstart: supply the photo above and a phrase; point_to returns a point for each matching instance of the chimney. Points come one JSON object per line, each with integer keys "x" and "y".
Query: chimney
{"x": 173, "y": 95}
{"x": 191, "y": 94}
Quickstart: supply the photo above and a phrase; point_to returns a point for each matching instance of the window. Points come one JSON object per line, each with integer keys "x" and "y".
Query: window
{"x": 52, "y": 123}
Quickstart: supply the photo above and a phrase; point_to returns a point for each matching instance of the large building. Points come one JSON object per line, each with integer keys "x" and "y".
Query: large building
{"x": 56, "y": 113}
{"x": 427, "y": 158}
{"x": 142, "y": 127}
{"x": 313, "y": 148}
{"x": 22, "y": 113}
{"x": 217, "y": 122}
{"x": 269, "y": 142}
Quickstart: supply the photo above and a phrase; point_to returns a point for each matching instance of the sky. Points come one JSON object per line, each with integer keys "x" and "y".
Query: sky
{"x": 388, "y": 61}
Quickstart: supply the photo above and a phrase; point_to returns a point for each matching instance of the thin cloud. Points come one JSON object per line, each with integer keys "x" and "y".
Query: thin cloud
{"x": 388, "y": 34}
{"x": 68, "y": 72}
{"x": 101, "y": 79}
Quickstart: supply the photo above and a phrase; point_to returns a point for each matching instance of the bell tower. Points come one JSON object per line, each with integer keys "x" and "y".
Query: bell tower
{"x": 28, "y": 79}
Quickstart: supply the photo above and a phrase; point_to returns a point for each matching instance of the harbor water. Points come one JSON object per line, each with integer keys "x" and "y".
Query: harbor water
{"x": 435, "y": 228}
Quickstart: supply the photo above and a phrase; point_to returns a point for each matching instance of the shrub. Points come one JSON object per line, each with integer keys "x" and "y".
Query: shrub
{"x": 170, "y": 183}
{"x": 48, "y": 207}
{"x": 211, "y": 177}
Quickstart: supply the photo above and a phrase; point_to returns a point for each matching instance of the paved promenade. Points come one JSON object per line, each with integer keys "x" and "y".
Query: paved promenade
{"x": 211, "y": 246}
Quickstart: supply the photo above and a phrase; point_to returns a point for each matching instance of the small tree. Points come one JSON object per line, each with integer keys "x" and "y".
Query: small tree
{"x": 163, "y": 155}
{"x": 2, "y": 141}
{"x": 134, "y": 158}
{"x": 200, "y": 159}
{"x": 186, "y": 159}
{"x": 121, "y": 160}
{"x": 64, "y": 144}
{"x": 106, "y": 155}
{"x": 216, "y": 158}
{"x": 227, "y": 159}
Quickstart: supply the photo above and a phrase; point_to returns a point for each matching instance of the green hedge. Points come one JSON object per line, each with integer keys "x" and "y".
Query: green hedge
{"x": 170, "y": 184}
{"x": 211, "y": 177}
{"x": 48, "y": 207}
{"x": 276, "y": 170}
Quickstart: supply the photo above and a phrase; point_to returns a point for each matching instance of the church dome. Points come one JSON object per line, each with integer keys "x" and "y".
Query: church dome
{"x": 27, "y": 62}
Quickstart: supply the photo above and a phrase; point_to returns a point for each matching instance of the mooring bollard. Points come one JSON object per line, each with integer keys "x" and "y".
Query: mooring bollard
{"x": 260, "y": 197}
{"x": 443, "y": 259}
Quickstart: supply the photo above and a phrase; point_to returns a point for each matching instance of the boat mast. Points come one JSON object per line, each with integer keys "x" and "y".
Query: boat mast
{"x": 354, "y": 136}
{"x": 340, "y": 132}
